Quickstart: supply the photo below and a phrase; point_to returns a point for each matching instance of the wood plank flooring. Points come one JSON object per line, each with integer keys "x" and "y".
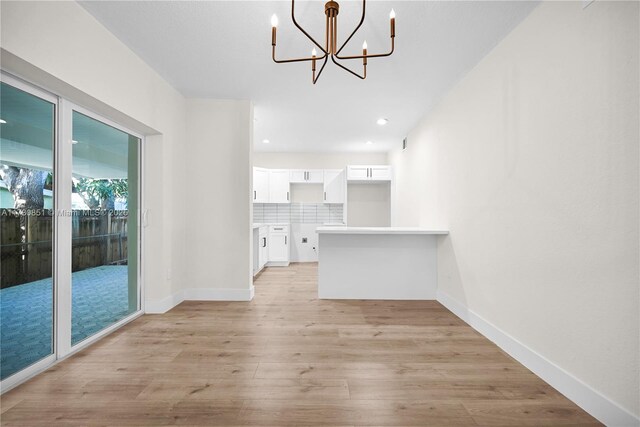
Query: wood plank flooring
{"x": 287, "y": 358}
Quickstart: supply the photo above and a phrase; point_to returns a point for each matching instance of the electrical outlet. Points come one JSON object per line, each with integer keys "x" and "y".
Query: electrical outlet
{"x": 304, "y": 240}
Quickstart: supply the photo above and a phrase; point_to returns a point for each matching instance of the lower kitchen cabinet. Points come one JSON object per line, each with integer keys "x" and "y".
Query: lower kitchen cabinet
{"x": 279, "y": 244}
{"x": 263, "y": 248}
{"x": 260, "y": 248}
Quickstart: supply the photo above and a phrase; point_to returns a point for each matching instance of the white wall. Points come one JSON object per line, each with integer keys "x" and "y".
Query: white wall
{"x": 304, "y": 252}
{"x": 307, "y": 193}
{"x": 369, "y": 205}
{"x": 61, "y": 47}
{"x": 531, "y": 162}
{"x": 218, "y": 196}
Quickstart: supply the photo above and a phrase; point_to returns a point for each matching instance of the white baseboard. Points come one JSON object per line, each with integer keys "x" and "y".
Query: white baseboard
{"x": 599, "y": 406}
{"x": 218, "y": 294}
{"x": 277, "y": 264}
{"x": 163, "y": 305}
{"x": 198, "y": 294}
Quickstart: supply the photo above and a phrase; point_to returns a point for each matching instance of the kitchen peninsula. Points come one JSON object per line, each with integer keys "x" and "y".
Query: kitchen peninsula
{"x": 395, "y": 263}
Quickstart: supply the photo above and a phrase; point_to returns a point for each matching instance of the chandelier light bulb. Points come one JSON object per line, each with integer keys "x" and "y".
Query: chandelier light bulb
{"x": 313, "y": 52}
{"x": 392, "y": 14}
{"x": 274, "y": 21}
{"x": 364, "y": 45}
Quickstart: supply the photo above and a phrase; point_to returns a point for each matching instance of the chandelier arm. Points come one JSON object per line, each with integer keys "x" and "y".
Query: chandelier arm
{"x": 293, "y": 18}
{"x": 283, "y": 61}
{"x": 364, "y": 4}
{"x": 321, "y": 68}
{"x": 376, "y": 55}
{"x": 333, "y": 58}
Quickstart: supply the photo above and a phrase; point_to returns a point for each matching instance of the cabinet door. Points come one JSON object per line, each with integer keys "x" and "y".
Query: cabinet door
{"x": 380, "y": 173}
{"x": 278, "y": 247}
{"x": 260, "y": 185}
{"x": 334, "y": 186}
{"x": 298, "y": 176}
{"x": 263, "y": 250}
{"x": 355, "y": 173}
{"x": 315, "y": 176}
{"x": 279, "y": 186}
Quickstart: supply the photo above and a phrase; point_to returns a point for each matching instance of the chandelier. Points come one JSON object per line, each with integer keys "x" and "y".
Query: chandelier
{"x": 330, "y": 48}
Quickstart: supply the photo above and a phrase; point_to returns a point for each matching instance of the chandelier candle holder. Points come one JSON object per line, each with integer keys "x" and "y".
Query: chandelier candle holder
{"x": 330, "y": 48}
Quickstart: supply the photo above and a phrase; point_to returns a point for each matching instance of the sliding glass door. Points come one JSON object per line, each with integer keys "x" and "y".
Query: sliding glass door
{"x": 69, "y": 228}
{"x": 27, "y": 135}
{"x": 104, "y": 225}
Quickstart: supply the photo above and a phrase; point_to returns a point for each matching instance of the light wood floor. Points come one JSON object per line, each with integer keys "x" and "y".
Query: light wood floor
{"x": 287, "y": 358}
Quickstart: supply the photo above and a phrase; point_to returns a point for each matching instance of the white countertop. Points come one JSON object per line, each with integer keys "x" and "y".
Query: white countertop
{"x": 379, "y": 230}
{"x": 266, "y": 224}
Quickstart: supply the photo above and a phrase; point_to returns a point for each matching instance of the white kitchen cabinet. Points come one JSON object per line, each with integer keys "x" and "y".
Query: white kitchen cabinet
{"x": 279, "y": 186}
{"x": 260, "y": 247}
{"x": 297, "y": 176}
{"x": 306, "y": 176}
{"x": 260, "y": 185}
{"x": 369, "y": 173}
{"x": 263, "y": 247}
{"x": 279, "y": 242}
{"x": 334, "y": 186}
{"x": 357, "y": 173}
{"x": 380, "y": 173}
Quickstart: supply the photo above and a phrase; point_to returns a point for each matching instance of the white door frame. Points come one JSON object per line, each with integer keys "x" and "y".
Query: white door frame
{"x": 66, "y": 109}
{"x": 47, "y": 361}
{"x": 62, "y": 239}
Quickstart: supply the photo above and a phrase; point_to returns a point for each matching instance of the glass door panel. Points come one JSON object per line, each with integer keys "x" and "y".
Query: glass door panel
{"x": 104, "y": 284}
{"x": 27, "y": 133}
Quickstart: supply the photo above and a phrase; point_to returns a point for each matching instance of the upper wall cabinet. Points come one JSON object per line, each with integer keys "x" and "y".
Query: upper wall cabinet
{"x": 369, "y": 173}
{"x": 334, "y": 184}
{"x": 357, "y": 173}
{"x": 279, "y": 186}
{"x": 260, "y": 185}
{"x": 274, "y": 185}
{"x": 306, "y": 176}
{"x": 380, "y": 173}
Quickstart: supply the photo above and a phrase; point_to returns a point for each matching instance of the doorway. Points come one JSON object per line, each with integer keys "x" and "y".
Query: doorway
{"x": 69, "y": 228}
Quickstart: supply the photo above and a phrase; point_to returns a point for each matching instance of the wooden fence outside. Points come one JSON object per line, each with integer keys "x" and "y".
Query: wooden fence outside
{"x": 99, "y": 238}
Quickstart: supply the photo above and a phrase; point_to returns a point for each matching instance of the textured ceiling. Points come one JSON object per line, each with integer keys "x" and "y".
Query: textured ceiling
{"x": 221, "y": 49}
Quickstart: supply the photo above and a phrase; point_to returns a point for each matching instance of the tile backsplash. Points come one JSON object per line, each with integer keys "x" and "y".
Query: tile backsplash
{"x": 297, "y": 213}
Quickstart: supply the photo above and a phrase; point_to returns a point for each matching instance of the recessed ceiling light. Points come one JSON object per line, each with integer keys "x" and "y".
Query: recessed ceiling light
{"x": 2, "y": 121}
{"x": 369, "y": 142}
{"x": 265, "y": 141}
{"x": 382, "y": 121}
